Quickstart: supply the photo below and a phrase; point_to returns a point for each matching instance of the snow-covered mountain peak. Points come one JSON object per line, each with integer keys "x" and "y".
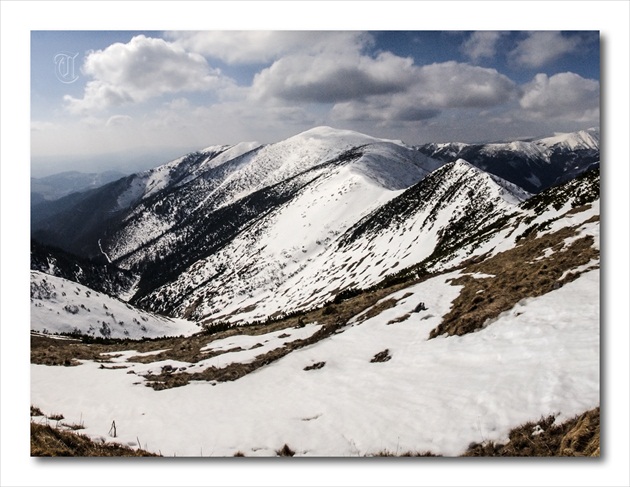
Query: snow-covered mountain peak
{"x": 393, "y": 166}
{"x": 580, "y": 140}
{"x": 283, "y": 160}
{"x": 334, "y": 135}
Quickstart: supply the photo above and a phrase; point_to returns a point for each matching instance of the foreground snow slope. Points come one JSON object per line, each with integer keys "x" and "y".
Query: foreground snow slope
{"x": 62, "y": 306}
{"x": 539, "y": 358}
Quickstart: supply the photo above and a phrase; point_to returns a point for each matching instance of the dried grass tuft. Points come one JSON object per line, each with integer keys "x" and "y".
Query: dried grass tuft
{"x": 285, "y": 451}
{"x": 576, "y": 437}
{"x": 52, "y": 442}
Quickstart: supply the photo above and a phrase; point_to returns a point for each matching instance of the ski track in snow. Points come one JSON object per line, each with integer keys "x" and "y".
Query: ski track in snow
{"x": 540, "y": 358}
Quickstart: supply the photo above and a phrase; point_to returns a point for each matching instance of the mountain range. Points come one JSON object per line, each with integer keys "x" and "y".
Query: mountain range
{"x": 246, "y": 232}
{"x": 276, "y": 299}
{"x": 533, "y": 165}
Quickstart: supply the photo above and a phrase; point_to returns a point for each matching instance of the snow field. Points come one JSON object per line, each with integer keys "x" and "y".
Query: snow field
{"x": 540, "y": 358}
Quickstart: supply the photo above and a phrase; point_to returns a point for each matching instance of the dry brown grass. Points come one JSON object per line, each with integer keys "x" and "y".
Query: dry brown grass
{"x": 578, "y": 437}
{"x": 519, "y": 273}
{"x": 35, "y": 411}
{"x": 52, "y": 442}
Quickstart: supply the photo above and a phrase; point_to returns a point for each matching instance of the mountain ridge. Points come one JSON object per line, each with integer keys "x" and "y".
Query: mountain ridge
{"x": 233, "y": 228}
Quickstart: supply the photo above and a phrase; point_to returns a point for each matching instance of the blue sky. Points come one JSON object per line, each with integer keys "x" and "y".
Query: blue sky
{"x": 135, "y": 99}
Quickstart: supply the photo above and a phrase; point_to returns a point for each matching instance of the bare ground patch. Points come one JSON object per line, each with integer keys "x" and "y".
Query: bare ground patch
{"x": 536, "y": 266}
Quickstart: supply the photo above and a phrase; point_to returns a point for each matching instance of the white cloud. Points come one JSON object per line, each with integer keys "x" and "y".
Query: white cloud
{"x": 435, "y": 87}
{"x": 452, "y": 84}
{"x": 482, "y": 44}
{"x": 240, "y": 47}
{"x": 139, "y": 70}
{"x": 541, "y": 48}
{"x": 564, "y": 96}
{"x": 328, "y": 78}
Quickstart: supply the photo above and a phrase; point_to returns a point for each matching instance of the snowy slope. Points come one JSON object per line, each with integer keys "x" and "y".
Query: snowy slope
{"x": 181, "y": 170}
{"x": 440, "y": 395}
{"x": 147, "y": 229}
{"x": 295, "y": 236}
{"x": 242, "y": 233}
{"x": 311, "y": 249}
{"x": 62, "y": 306}
{"x": 455, "y": 214}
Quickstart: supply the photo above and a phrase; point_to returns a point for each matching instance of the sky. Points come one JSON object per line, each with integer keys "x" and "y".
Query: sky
{"x": 130, "y": 100}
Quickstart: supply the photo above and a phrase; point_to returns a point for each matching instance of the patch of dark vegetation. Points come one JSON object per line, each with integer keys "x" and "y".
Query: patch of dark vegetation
{"x": 47, "y": 441}
{"x": 377, "y": 309}
{"x": 329, "y": 310}
{"x": 235, "y": 371}
{"x": 521, "y": 272}
{"x": 35, "y": 411}
{"x": 285, "y": 451}
{"x": 315, "y": 366}
{"x": 73, "y": 426}
{"x": 399, "y": 319}
{"x": 383, "y": 356}
{"x": 113, "y": 367}
{"x": 577, "y": 437}
{"x": 348, "y": 293}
